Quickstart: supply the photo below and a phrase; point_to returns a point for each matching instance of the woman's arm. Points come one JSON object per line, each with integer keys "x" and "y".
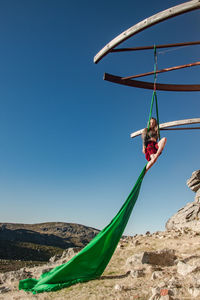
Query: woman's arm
{"x": 144, "y": 134}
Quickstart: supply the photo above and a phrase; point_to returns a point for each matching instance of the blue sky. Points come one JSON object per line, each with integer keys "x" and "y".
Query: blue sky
{"x": 65, "y": 148}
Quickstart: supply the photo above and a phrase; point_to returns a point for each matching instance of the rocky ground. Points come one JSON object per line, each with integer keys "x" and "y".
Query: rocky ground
{"x": 158, "y": 266}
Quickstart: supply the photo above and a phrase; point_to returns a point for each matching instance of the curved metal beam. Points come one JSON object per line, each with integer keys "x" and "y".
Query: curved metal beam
{"x": 157, "y": 46}
{"x": 163, "y": 70}
{"x": 150, "y": 85}
{"x": 157, "y": 18}
{"x": 172, "y": 124}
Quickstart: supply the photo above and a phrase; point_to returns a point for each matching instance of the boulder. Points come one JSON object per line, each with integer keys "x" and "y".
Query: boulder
{"x": 134, "y": 260}
{"x": 185, "y": 268}
{"x": 197, "y": 196}
{"x": 118, "y": 287}
{"x": 66, "y": 255}
{"x": 140, "y": 272}
{"x": 161, "y": 294}
{"x": 194, "y": 181}
{"x": 189, "y": 215}
{"x": 165, "y": 257}
{"x": 194, "y": 291}
{"x": 4, "y": 289}
{"x": 186, "y": 217}
{"x": 157, "y": 274}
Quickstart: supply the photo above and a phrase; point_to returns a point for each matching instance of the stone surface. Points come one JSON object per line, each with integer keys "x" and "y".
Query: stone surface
{"x": 118, "y": 287}
{"x": 194, "y": 291}
{"x": 184, "y": 268}
{"x": 156, "y": 275}
{"x": 137, "y": 273}
{"x": 134, "y": 261}
{"x": 161, "y": 294}
{"x": 197, "y": 196}
{"x": 4, "y": 289}
{"x": 189, "y": 215}
{"x": 165, "y": 257}
{"x": 66, "y": 255}
{"x": 186, "y": 217}
{"x": 194, "y": 181}
{"x": 137, "y": 243}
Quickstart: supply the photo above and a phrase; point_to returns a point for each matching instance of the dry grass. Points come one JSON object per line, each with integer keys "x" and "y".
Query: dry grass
{"x": 129, "y": 288}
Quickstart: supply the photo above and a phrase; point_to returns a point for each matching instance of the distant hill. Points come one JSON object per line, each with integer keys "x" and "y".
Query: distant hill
{"x": 34, "y": 243}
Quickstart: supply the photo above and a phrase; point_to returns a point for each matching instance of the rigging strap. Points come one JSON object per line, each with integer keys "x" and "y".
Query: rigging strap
{"x": 154, "y": 96}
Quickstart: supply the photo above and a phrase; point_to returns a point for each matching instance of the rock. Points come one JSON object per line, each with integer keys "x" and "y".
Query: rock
{"x": 194, "y": 291}
{"x": 166, "y": 297}
{"x": 184, "y": 268}
{"x": 137, "y": 243}
{"x": 194, "y": 181}
{"x": 4, "y": 289}
{"x": 197, "y": 196}
{"x": 164, "y": 292}
{"x": 156, "y": 274}
{"x": 61, "y": 259}
{"x": 134, "y": 260}
{"x": 46, "y": 270}
{"x": 54, "y": 258}
{"x": 155, "y": 293}
{"x": 173, "y": 283}
{"x": 161, "y": 294}
{"x": 164, "y": 257}
{"x": 65, "y": 257}
{"x": 187, "y": 217}
{"x": 158, "y": 233}
{"x": 118, "y": 287}
{"x": 68, "y": 254}
{"x": 162, "y": 285}
{"x": 11, "y": 276}
{"x": 137, "y": 273}
{"x": 155, "y": 297}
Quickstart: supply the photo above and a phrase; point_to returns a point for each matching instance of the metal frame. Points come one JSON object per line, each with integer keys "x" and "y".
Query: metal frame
{"x": 150, "y": 85}
{"x": 155, "y": 19}
{"x": 165, "y": 126}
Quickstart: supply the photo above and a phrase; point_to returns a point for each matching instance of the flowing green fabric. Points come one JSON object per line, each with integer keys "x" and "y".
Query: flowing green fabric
{"x": 92, "y": 260}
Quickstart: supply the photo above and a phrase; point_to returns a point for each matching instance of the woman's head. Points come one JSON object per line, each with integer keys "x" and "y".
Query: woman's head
{"x": 153, "y": 123}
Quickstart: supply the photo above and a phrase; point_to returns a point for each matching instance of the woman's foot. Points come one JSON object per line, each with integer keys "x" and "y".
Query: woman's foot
{"x": 154, "y": 158}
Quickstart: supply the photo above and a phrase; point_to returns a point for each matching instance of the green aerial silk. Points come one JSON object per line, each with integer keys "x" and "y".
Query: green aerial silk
{"x": 154, "y": 96}
{"x": 92, "y": 260}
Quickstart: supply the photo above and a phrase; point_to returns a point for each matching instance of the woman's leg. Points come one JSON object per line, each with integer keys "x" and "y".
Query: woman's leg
{"x": 154, "y": 157}
{"x": 151, "y": 162}
{"x": 161, "y": 145}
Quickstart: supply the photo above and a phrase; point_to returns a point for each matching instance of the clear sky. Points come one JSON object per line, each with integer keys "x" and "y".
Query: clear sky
{"x": 65, "y": 148}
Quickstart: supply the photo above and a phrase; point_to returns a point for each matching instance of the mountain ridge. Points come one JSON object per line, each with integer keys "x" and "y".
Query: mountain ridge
{"x": 33, "y": 244}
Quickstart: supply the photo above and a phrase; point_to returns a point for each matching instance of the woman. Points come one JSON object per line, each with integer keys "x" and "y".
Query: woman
{"x": 151, "y": 148}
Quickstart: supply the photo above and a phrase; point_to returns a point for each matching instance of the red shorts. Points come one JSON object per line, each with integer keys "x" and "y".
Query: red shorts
{"x": 152, "y": 148}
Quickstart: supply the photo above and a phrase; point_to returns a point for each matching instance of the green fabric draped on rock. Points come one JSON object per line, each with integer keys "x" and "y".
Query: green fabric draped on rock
{"x": 92, "y": 260}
